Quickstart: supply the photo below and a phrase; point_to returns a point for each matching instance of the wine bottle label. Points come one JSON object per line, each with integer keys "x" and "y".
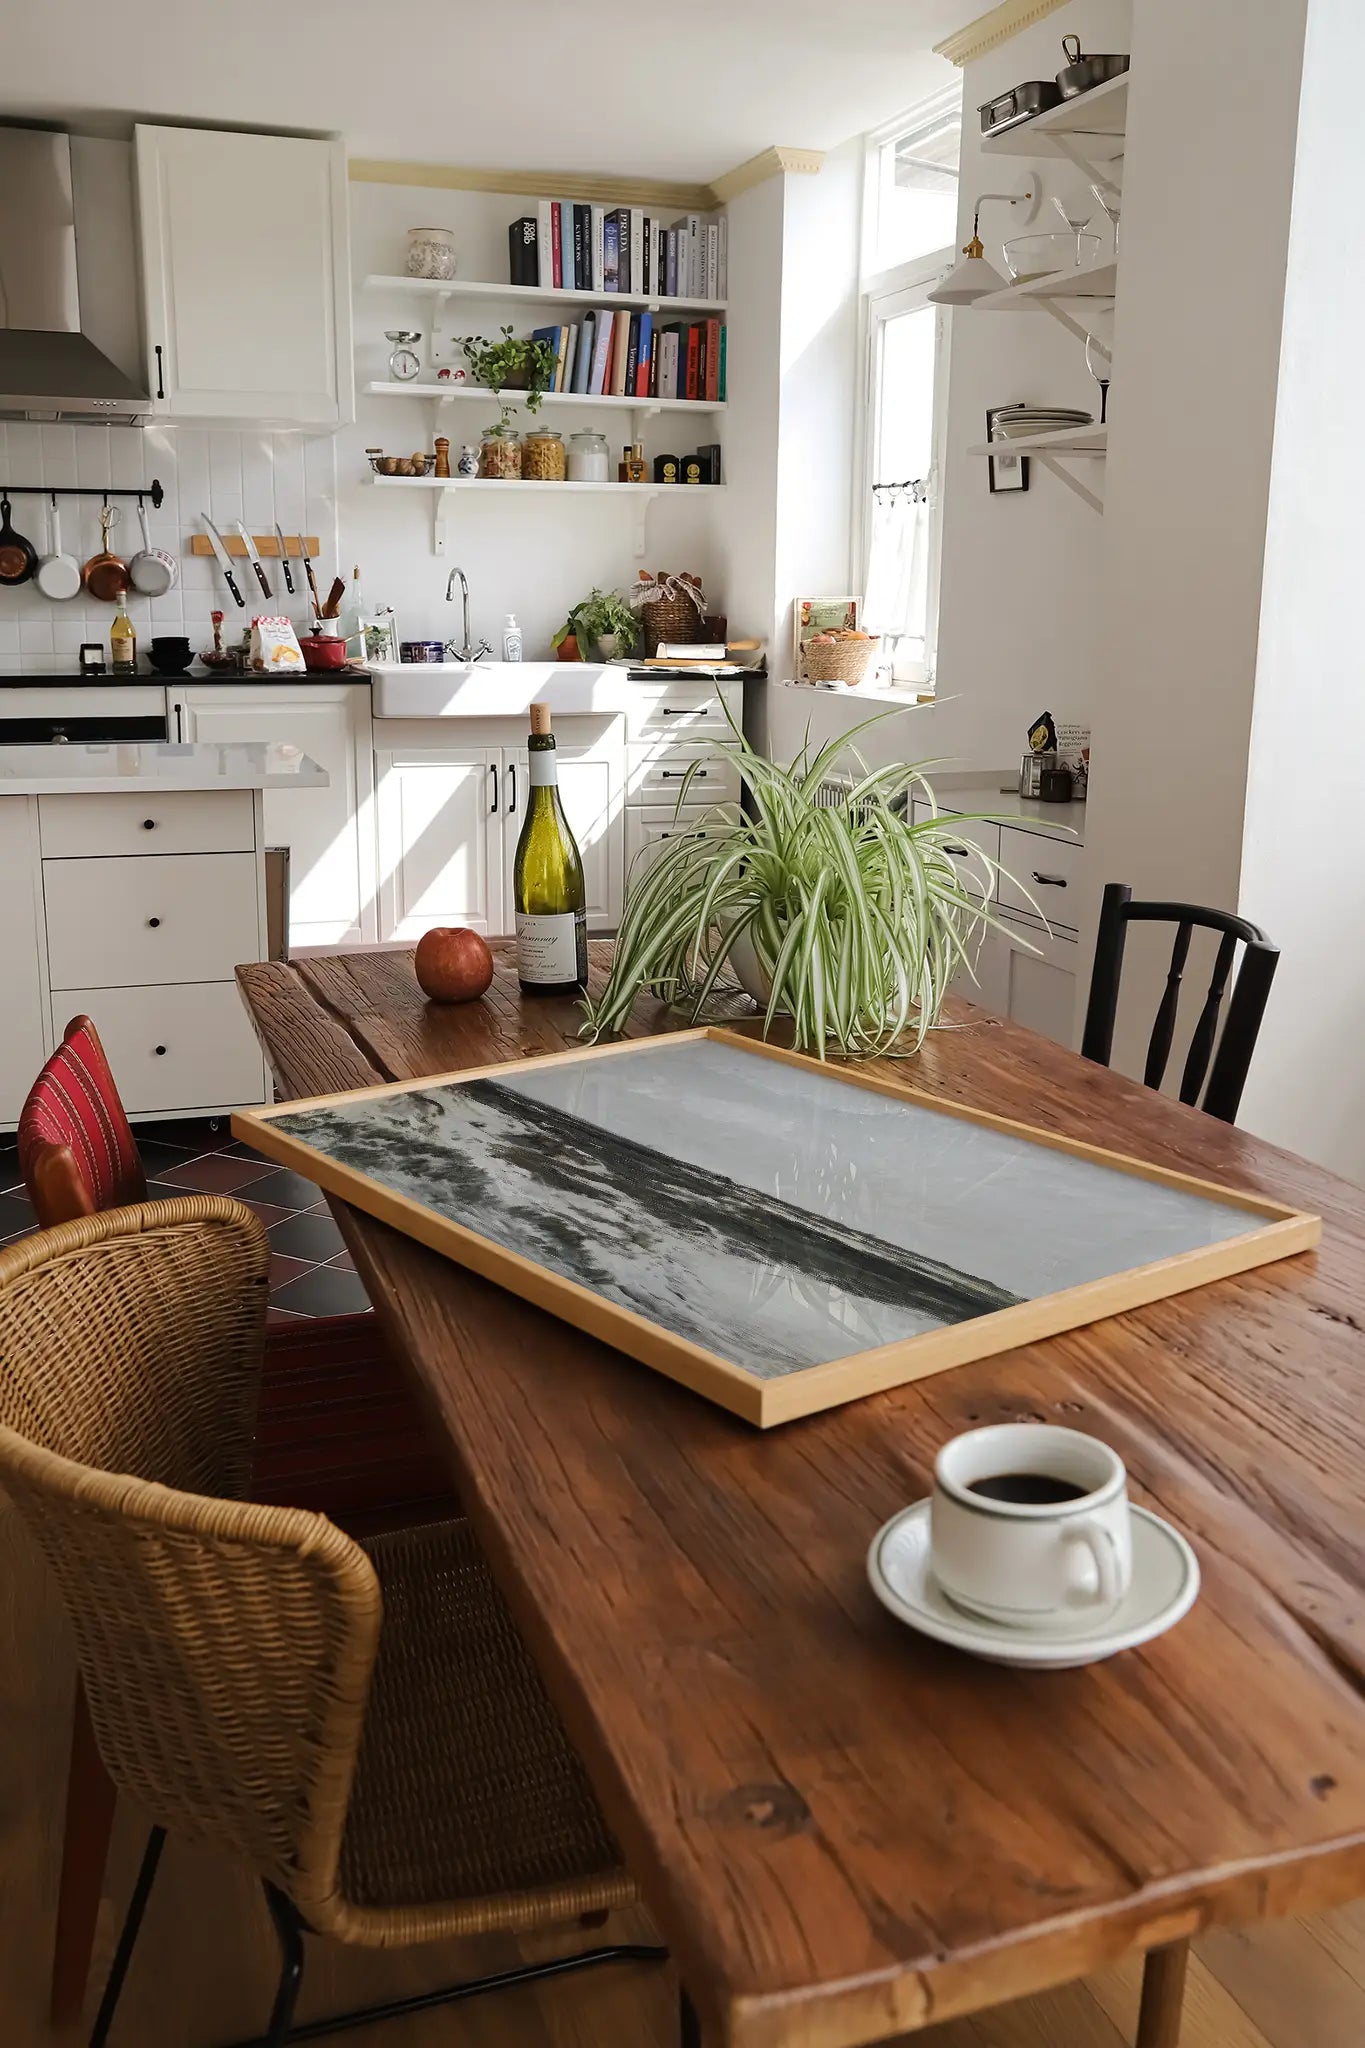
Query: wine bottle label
{"x": 551, "y": 948}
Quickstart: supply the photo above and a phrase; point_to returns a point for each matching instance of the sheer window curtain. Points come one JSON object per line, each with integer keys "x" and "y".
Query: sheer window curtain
{"x": 896, "y": 588}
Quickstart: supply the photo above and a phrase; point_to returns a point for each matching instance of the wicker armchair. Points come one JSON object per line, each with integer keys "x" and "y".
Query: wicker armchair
{"x": 360, "y": 1725}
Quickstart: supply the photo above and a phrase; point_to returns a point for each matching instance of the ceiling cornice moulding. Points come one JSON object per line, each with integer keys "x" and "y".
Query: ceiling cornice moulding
{"x": 769, "y": 163}
{"x": 988, "y": 31}
{"x": 534, "y": 184}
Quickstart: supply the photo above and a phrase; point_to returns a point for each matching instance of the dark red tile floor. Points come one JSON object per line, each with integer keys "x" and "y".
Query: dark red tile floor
{"x": 310, "y": 1270}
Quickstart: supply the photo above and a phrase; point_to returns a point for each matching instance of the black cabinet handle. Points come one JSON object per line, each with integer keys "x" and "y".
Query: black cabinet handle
{"x": 159, "y": 1049}
{"x": 684, "y": 710}
{"x": 493, "y": 771}
{"x": 961, "y": 851}
{"x": 160, "y": 374}
{"x": 512, "y": 779}
{"x": 671, "y": 775}
{"x": 149, "y": 824}
{"x": 178, "y": 733}
{"x": 154, "y": 922}
{"x": 1049, "y": 881}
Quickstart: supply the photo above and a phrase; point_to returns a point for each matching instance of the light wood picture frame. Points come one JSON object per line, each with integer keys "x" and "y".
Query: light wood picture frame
{"x": 739, "y": 1278}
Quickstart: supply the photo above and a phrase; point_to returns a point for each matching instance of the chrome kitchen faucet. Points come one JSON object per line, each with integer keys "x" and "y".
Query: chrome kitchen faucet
{"x": 467, "y": 652}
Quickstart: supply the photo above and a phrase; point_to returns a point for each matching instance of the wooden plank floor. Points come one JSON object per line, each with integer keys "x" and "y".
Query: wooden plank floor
{"x": 204, "y": 1972}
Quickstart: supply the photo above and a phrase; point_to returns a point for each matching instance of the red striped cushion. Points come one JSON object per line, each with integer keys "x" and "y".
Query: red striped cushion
{"x": 74, "y": 1102}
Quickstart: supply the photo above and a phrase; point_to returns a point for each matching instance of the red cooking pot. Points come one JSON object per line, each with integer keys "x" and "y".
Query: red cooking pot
{"x": 322, "y": 651}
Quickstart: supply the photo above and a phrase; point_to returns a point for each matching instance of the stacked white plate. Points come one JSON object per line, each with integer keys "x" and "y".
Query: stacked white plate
{"x": 1017, "y": 422}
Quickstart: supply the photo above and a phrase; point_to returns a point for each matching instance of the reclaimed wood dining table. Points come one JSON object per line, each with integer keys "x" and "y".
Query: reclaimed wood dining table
{"x": 844, "y": 1831}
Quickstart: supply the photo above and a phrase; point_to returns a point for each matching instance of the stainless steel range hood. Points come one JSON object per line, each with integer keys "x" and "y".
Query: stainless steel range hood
{"x": 49, "y": 368}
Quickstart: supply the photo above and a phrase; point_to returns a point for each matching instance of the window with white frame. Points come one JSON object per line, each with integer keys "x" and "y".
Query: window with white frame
{"x": 910, "y": 215}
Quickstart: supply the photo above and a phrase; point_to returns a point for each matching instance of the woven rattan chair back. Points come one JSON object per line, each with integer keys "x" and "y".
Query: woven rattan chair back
{"x": 225, "y": 1648}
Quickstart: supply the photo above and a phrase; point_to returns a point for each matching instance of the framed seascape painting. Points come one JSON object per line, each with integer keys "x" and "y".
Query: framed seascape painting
{"x": 779, "y": 1235}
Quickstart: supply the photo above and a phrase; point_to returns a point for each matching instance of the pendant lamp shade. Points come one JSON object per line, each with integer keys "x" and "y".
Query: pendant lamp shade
{"x": 971, "y": 277}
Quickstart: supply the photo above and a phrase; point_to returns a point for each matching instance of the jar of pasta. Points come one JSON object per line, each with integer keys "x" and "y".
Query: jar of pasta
{"x": 500, "y": 454}
{"x": 542, "y": 455}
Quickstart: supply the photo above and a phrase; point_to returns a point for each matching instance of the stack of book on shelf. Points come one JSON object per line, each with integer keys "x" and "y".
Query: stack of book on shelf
{"x": 571, "y": 246}
{"x": 638, "y": 356}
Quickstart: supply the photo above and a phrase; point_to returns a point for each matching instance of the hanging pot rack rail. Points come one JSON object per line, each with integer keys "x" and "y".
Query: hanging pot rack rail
{"x": 152, "y": 490}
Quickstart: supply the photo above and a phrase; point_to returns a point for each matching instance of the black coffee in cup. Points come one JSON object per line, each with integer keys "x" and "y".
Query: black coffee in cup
{"x": 1027, "y": 1489}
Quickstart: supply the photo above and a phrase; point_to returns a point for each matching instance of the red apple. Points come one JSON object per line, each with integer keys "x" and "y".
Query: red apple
{"x": 453, "y": 964}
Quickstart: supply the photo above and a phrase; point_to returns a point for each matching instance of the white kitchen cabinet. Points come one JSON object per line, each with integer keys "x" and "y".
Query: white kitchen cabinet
{"x": 330, "y": 832}
{"x": 246, "y": 276}
{"x": 22, "y": 990}
{"x": 441, "y": 839}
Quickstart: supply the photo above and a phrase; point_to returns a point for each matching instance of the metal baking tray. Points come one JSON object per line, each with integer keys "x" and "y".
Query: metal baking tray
{"x": 1020, "y": 103}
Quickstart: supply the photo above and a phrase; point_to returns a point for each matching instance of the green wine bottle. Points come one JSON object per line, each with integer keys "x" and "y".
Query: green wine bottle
{"x": 547, "y": 881}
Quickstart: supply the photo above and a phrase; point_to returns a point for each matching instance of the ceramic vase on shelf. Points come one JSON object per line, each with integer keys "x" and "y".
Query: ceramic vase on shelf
{"x": 431, "y": 252}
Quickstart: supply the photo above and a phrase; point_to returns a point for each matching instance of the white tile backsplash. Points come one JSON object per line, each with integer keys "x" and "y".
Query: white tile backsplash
{"x": 252, "y": 475}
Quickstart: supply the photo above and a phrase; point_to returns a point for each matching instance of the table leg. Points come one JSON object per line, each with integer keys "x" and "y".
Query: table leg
{"x": 689, "y": 2027}
{"x": 89, "y": 1822}
{"x": 1163, "y": 1996}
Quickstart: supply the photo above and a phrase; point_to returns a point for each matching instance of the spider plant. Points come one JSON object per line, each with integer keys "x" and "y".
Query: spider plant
{"x": 845, "y": 916}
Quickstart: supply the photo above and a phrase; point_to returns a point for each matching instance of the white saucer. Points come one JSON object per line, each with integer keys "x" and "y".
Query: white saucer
{"x": 1165, "y": 1586}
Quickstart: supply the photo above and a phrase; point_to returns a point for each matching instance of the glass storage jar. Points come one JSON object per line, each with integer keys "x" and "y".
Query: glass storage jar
{"x": 542, "y": 455}
{"x": 500, "y": 454}
{"x": 589, "y": 461}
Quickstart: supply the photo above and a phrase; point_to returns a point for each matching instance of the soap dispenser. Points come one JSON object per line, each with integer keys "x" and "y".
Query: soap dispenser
{"x": 511, "y": 639}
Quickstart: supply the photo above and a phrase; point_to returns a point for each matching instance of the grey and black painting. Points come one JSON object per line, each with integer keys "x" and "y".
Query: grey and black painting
{"x": 777, "y": 1217}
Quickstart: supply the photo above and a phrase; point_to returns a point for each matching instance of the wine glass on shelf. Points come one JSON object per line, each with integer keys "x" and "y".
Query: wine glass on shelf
{"x": 1078, "y": 221}
{"x": 1111, "y": 205}
{"x": 1099, "y": 356}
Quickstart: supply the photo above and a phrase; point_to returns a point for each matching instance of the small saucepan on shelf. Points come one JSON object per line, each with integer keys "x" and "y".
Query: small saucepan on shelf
{"x": 1082, "y": 74}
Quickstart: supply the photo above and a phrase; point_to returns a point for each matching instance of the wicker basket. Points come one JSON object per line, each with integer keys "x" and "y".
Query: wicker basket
{"x": 672, "y": 620}
{"x": 836, "y": 661}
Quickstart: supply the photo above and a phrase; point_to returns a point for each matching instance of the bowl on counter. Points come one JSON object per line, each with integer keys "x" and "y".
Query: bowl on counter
{"x": 421, "y": 650}
{"x": 322, "y": 651}
{"x": 1030, "y": 256}
{"x": 170, "y": 655}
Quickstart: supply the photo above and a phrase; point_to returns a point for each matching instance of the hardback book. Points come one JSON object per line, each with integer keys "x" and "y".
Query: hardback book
{"x": 556, "y": 245}
{"x": 722, "y": 257}
{"x": 611, "y": 253}
{"x": 523, "y": 261}
{"x": 599, "y": 215}
{"x": 649, "y": 238}
{"x": 632, "y": 356}
{"x": 709, "y": 458}
{"x": 636, "y": 216}
{"x": 671, "y": 287}
{"x": 545, "y": 244}
{"x": 693, "y": 358}
{"x": 644, "y": 357}
{"x": 620, "y": 351}
{"x": 720, "y": 381}
{"x": 582, "y": 369}
{"x": 569, "y": 359}
{"x": 701, "y": 359}
{"x": 582, "y": 246}
{"x": 561, "y": 354}
{"x": 654, "y": 341}
{"x": 600, "y": 380}
{"x": 712, "y": 290}
{"x": 550, "y": 336}
{"x": 689, "y": 256}
{"x": 624, "y": 272}
{"x": 671, "y": 353}
{"x": 661, "y": 261}
{"x": 711, "y": 381}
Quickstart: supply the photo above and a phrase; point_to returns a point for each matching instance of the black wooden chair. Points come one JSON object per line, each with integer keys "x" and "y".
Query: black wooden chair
{"x": 1246, "y": 1005}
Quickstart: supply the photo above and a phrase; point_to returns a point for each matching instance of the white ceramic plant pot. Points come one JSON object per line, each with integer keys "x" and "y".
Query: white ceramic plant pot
{"x": 750, "y": 972}
{"x": 608, "y": 646}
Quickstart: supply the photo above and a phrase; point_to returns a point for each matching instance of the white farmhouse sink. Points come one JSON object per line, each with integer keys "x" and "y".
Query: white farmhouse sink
{"x": 492, "y": 689}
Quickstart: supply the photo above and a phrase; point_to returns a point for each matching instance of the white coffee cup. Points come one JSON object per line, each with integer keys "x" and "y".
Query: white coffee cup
{"x": 1048, "y": 1543}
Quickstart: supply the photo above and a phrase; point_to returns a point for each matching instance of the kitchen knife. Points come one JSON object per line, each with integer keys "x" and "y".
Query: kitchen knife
{"x": 254, "y": 558}
{"x": 224, "y": 561}
{"x": 308, "y": 570}
{"x": 284, "y": 563}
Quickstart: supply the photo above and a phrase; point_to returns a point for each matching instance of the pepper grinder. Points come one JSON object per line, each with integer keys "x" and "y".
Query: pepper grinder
{"x": 442, "y": 447}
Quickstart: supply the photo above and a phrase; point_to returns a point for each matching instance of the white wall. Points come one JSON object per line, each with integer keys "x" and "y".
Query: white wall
{"x": 532, "y": 556}
{"x": 1021, "y": 602}
{"x": 1303, "y": 844}
{"x": 747, "y": 522}
{"x": 1207, "y": 184}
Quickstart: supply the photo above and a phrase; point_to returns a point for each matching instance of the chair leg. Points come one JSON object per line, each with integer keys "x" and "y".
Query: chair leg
{"x": 90, "y": 1800}
{"x": 1163, "y": 1996}
{"x": 123, "y": 1955}
{"x": 289, "y": 1928}
{"x": 689, "y": 2026}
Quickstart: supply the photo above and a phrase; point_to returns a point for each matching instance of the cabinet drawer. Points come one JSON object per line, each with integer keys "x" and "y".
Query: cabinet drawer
{"x": 650, "y": 828}
{"x": 676, "y": 710}
{"x": 962, "y": 836}
{"x": 1049, "y": 870}
{"x": 657, "y": 776}
{"x": 173, "y": 1048}
{"x": 180, "y": 821}
{"x": 189, "y": 917}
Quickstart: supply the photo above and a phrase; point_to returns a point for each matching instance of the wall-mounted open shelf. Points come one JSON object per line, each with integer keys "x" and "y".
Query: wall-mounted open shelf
{"x": 1054, "y": 450}
{"x": 442, "y": 288}
{"x": 441, "y": 488}
{"x": 1089, "y": 281}
{"x": 442, "y": 393}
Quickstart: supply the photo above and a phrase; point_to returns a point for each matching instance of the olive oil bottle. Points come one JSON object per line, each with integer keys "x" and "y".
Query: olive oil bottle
{"x": 547, "y": 881}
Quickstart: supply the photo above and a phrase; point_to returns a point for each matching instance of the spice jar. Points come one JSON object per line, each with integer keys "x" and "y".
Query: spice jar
{"x": 589, "y": 461}
{"x": 500, "y": 454}
{"x": 542, "y": 455}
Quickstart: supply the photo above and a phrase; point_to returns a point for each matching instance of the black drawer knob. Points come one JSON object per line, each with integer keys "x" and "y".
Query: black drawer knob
{"x": 149, "y": 824}
{"x": 159, "y": 1050}
{"x": 154, "y": 922}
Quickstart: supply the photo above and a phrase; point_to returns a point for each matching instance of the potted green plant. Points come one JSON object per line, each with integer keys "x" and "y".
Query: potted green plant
{"x": 603, "y": 626}
{"x": 512, "y": 363}
{"x": 847, "y": 917}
